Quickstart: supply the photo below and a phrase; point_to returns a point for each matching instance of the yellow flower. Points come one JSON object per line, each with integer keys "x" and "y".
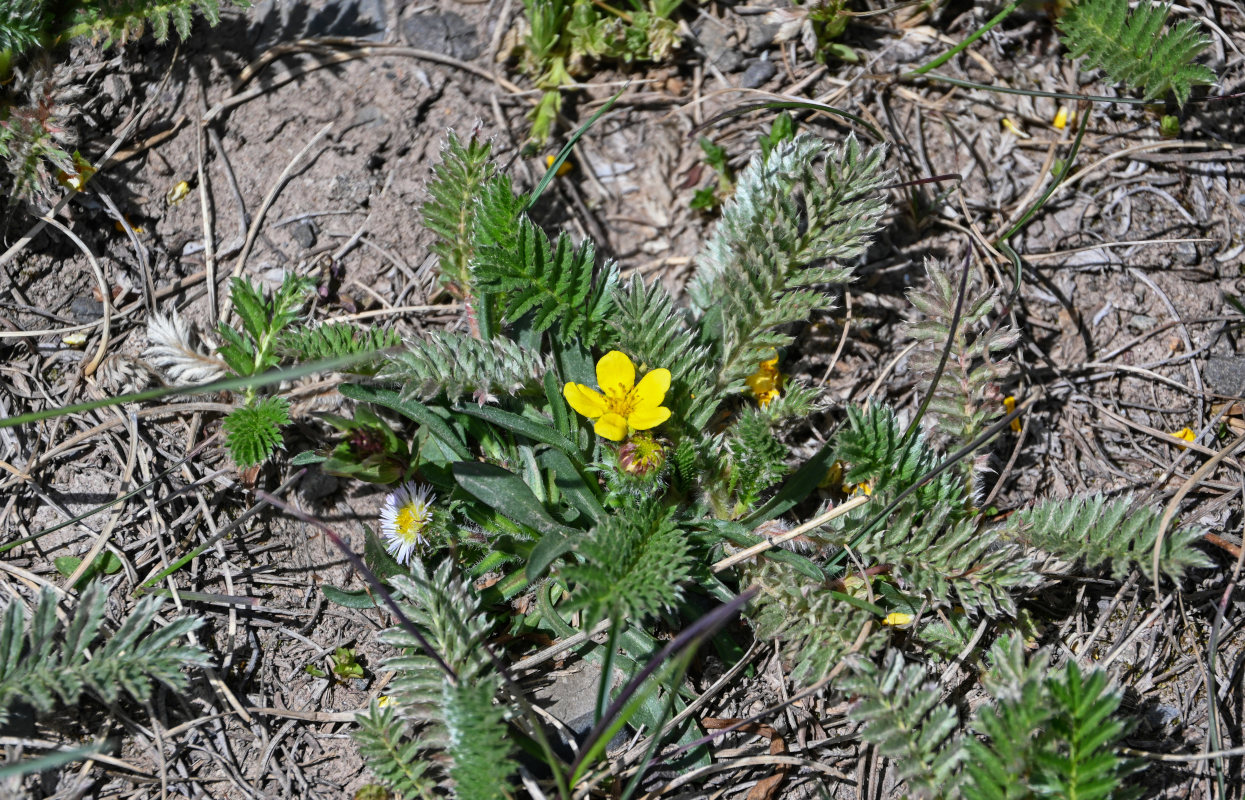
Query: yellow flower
{"x": 1009, "y": 405}
{"x": 563, "y": 168}
{"x": 622, "y": 406}
{"x": 1187, "y": 434}
{"x": 766, "y": 382}
{"x": 897, "y": 618}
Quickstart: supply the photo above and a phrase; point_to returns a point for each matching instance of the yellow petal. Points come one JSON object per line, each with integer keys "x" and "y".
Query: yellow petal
{"x": 644, "y": 418}
{"x": 897, "y": 618}
{"x": 585, "y": 401}
{"x": 652, "y": 388}
{"x": 615, "y": 374}
{"x": 612, "y": 426}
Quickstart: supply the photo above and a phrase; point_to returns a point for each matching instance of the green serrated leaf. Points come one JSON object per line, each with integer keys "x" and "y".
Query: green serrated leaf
{"x": 253, "y": 432}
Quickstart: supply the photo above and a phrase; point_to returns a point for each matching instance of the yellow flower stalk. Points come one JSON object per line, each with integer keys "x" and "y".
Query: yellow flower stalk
{"x": 766, "y": 382}
{"x": 622, "y": 406}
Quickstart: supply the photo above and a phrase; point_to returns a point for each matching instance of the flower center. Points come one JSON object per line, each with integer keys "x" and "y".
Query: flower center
{"x": 410, "y": 523}
{"x": 621, "y": 401}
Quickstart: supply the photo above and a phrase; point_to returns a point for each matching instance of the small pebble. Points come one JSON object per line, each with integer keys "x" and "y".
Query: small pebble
{"x": 757, "y": 74}
{"x": 304, "y": 233}
{"x": 1225, "y": 375}
{"x": 86, "y": 309}
{"x": 448, "y": 33}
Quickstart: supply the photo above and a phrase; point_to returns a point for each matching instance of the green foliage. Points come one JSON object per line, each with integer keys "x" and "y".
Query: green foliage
{"x": 829, "y": 19}
{"x": 566, "y": 36}
{"x": 555, "y": 282}
{"x": 966, "y": 400}
{"x": 121, "y": 21}
{"x": 481, "y": 767}
{"x": 30, "y": 24}
{"x": 872, "y": 443}
{"x": 265, "y": 317}
{"x": 432, "y": 712}
{"x": 1049, "y": 733}
{"x": 628, "y": 527}
{"x": 756, "y": 459}
{"x": 755, "y": 274}
{"x": 646, "y": 324}
{"x": 23, "y": 26}
{"x": 336, "y": 339}
{"x": 253, "y": 431}
{"x": 458, "y": 365}
{"x": 933, "y": 539}
{"x": 50, "y": 662}
{"x": 396, "y": 759}
{"x": 1128, "y": 46}
{"x": 458, "y": 180}
{"x": 815, "y": 624}
{"x": 904, "y": 716}
{"x": 29, "y": 149}
{"x": 632, "y": 564}
{"x": 782, "y": 129}
{"x": 708, "y": 198}
{"x": 371, "y": 452}
{"x": 1095, "y": 530}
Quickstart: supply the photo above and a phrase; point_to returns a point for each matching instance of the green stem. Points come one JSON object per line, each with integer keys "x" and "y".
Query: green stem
{"x": 1093, "y": 98}
{"x": 977, "y": 34}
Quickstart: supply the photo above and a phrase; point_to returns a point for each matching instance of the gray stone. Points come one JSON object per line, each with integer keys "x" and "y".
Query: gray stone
{"x": 757, "y": 73}
{"x": 571, "y": 696}
{"x": 761, "y": 33}
{"x": 720, "y": 48}
{"x": 448, "y": 34}
{"x": 1225, "y": 375}
{"x": 86, "y": 309}
{"x": 304, "y": 233}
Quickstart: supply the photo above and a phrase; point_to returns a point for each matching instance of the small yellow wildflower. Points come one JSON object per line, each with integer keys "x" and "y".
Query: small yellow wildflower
{"x": 177, "y": 194}
{"x": 1009, "y": 403}
{"x": 1062, "y": 118}
{"x": 563, "y": 168}
{"x": 1014, "y": 129}
{"x": 766, "y": 382}
{"x": 82, "y": 172}
{"x": 1187, "y": 434}
{"x": 622, "y": 406}
{"x": 897, "y": 618}
{"x": 834, "y": 480}
{"x": 404, "y": 517}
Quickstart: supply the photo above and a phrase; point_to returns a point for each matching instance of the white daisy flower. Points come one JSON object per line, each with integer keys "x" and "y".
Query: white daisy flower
{"x": 403, "y": 519}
